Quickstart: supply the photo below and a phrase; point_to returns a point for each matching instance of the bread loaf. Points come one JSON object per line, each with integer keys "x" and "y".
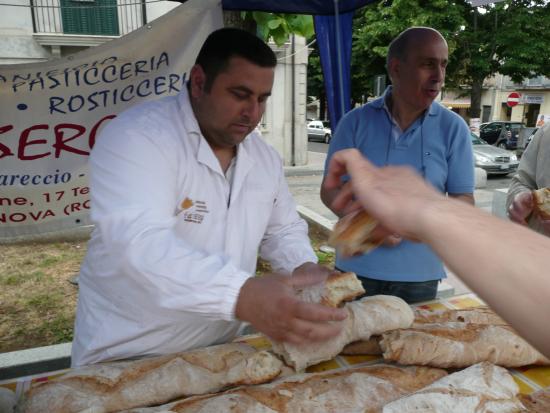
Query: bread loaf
{"x": 366, "y": 317}
{"x": 477, "y": 315}
{"x": 355, "y": 233}
{"x": 537, "y": 402}
{"x": 370, "y": 347}
{"x": 482, "y": 388}
{"x": 338, "y": 288}
{"x": 458, "y": 345}
{"x": 541, "y": 202}
{"x": 364, "y": 389}
{"x": 116, "y": 386}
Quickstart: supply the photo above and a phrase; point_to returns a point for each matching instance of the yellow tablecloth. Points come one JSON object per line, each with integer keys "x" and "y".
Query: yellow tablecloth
{"x": 529, "y": 379}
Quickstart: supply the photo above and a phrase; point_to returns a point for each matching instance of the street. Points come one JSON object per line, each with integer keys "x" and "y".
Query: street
{"x": 493, "y": 181}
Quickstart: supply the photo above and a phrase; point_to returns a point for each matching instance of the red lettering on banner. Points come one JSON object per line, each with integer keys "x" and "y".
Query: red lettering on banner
{"x": 5, "y": 151}
{"x": 60, "y": 141}
{"x": 91, "y": 140}
{"x": 63, "y": 133}
{"x": 22, "y": 216}
{"x": 23, "y": 143}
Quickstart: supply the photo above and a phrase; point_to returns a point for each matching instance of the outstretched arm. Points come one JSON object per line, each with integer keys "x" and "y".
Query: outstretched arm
{"x": 513, "y": 278}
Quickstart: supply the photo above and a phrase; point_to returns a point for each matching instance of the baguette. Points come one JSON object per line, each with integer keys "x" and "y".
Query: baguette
{"x": 338, "y": 288}
{"x": 537, "y": 402}
{"x": 459, "y": 345}
{"x": 541, "y": 202}
{"x": 355, "y": 233}
{"x": 370, "y": 347}
{"x": 110, "y": 387}
{"x": 477, "y": 315}
{"x": 364, "y": 389}
{"x": 482, "y": 388}
{"x": 366, "y": 317}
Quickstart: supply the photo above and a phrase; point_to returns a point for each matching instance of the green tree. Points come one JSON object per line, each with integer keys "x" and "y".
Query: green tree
{"x": 275, "y": 26}
{"x": 509, "y": 37}
{"x": 376, "y": 25}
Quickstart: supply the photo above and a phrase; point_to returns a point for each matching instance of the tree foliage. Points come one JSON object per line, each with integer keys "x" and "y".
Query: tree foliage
{"x": 510, "y": 37}
{"x": 278, "y": 26}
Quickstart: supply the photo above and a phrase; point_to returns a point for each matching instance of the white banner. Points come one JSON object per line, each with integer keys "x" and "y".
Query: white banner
{"x": 51, "y": 113}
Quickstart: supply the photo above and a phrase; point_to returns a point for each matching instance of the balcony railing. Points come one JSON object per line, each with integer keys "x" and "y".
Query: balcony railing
{"x": 88, "y": 17}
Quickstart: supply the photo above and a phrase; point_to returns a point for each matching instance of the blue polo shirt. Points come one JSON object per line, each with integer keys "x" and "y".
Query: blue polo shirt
{"x": 438, "y": 146}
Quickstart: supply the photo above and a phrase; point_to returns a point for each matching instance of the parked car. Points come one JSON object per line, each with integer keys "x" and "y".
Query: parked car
{"x": 492, "y": 159}
{"x": 519, "y": 151}
{"x": 317, "y": 131}
{"x": 502, "y": 134}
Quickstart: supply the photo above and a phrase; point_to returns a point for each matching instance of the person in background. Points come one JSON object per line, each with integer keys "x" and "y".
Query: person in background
{"x": 513, "y": 279}
{"x": 184, "y": 193}
{"x": 407, "y": 127}
{"x": 533, "y": 173}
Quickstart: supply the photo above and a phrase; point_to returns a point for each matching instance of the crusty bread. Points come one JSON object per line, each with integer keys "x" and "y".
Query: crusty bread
{"x": 537, "y": 402}
{"x": 476, "y": 315}
{"x": 338, "y": 288}
{"x": 541, "y": 202}
{"x": 366, "y": 317}
{"x": 355, "y": 233}
{"x": 482, "y": 388}
{"x": 364, "y": 389}
{"x": 370, "y": 347}
{"x": 458, "y": 345}
{"x": 116, "y": 386}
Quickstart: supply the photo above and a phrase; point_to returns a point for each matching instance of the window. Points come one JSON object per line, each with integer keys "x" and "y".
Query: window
{"x": 97, "y": 17}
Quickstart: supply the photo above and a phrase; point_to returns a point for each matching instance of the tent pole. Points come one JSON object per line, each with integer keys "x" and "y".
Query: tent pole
{"x": 339, "y": 53}
{"x": 293, "y": 104}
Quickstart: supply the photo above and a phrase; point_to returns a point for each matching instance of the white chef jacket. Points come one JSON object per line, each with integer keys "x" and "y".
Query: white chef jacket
{"x": 174, "y": 241}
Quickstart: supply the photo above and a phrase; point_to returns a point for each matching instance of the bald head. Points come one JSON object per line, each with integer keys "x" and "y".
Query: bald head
{"x": 410, "y": 39}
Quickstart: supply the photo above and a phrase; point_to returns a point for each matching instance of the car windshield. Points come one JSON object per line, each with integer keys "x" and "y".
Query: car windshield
{"x": 477, "y": 140}
{"x": 514, "y": 126}
{"x": 326, "y": 124}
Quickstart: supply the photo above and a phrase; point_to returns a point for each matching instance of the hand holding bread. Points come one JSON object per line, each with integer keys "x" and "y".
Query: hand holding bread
{"x": 271, "y": 305}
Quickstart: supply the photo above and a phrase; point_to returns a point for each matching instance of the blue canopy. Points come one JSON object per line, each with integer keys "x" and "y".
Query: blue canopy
{"x": 316, "y": 7}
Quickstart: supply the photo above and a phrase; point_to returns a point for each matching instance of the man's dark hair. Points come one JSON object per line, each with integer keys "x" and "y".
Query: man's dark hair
{"x": 223, "y": 44}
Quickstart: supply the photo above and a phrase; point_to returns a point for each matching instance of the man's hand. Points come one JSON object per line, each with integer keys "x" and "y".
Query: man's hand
{"x": 270, "y": 304}
{"x": 521, "y": 207}
{"x": 310, "y": 267}
{"x": 395, "y": 196}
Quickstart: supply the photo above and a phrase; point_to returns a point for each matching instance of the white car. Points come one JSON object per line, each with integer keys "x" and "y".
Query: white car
{"x": 317, "y": 131}
{"x": 492, "y": 159}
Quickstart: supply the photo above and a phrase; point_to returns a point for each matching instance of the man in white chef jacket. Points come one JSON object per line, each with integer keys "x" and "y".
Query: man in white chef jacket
{"x": 184, "y": 194}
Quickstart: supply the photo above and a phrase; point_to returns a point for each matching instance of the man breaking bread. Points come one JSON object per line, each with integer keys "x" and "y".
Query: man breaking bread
{"x": 184, "y": 195}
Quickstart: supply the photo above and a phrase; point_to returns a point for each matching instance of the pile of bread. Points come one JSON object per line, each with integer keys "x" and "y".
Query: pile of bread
{"x": 236, "y": 377}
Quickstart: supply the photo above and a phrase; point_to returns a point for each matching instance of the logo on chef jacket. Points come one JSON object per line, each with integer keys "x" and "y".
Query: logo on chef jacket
{"x": 193, "y": 211}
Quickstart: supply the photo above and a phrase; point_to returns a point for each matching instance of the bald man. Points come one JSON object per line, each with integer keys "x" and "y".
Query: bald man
{"x": 406, "y": 126}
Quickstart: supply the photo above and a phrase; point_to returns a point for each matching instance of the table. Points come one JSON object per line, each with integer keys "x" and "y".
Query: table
{"x": 529, "y": 379}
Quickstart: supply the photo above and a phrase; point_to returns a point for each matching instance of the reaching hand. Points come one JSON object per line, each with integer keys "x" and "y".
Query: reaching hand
{"x": 396, "y": 196}
{"x": 270, "y": 304}
{"x": 521, "y": 207}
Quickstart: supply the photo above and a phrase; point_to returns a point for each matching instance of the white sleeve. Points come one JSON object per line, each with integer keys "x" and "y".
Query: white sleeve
{"x": 286, "y": 243}
{"x": 133, "y": 193}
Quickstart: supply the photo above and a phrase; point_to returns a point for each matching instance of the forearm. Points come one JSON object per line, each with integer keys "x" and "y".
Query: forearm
{"x": 467, "y": 198}
{"x": 496, "y": 263}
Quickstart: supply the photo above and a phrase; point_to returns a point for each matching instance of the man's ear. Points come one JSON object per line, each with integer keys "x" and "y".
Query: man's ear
{"x": 393, "y": 68}
{"x": 197, "y": 80}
